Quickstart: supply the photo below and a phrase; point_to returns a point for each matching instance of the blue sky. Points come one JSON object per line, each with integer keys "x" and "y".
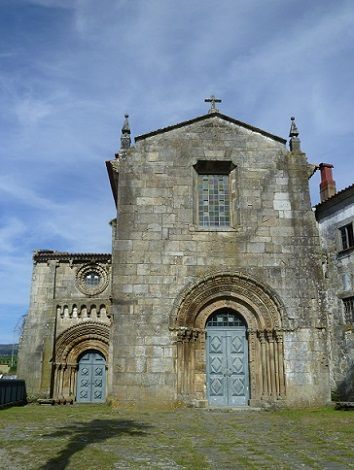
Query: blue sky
{"x": 70, "y": 69}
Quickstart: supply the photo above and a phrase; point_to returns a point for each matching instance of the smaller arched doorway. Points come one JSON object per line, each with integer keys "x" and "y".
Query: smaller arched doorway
{"x": 227, "y": 359}
{"x": 91, "y": 377}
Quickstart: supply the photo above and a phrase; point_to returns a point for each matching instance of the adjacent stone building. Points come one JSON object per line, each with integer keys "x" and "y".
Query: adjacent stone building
{"x": 335, "y": 216}
{"x": 214, "y": 293}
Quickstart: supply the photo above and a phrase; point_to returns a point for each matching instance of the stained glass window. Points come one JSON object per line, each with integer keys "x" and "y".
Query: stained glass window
{"x": 214, "y": 200}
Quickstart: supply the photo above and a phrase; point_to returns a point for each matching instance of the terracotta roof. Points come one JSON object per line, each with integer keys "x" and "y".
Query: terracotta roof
{"x": 335, "y": 199}
{"x": 46, "y": 255}
{"x": 210, "y": 116}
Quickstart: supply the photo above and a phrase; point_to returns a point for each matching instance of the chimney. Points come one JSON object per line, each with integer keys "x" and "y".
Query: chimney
{"x": 327, "y": 185}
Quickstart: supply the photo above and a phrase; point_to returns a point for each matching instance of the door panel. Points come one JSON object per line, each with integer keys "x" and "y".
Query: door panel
{"x": 98, "y": 383}
{"x": 227, "y": 366}
{"x": 91, "y": 380}
{"x": 238, "y": 368}
{"x": 216, "y": 368}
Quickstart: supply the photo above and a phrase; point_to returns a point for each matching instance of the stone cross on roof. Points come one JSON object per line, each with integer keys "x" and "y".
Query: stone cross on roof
{"x": 212, "y": 100}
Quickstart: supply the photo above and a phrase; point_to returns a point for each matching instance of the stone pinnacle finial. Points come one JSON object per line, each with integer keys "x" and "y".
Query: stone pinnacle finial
{"x": 125, "y": 140}
{"x": 212, "y": 100}
{"x": 293, "y": 128}
{"x": 294, "y": 136}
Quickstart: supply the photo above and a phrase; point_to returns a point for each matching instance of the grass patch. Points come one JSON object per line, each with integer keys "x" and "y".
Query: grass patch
{"x": 97, "y": 436}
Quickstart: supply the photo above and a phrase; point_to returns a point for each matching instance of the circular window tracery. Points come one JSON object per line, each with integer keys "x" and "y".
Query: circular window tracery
{"x": 92, "y": 279}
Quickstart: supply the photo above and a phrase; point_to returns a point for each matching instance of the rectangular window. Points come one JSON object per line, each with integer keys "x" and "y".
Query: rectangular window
{"x": 349, "y": 309}
{"x": 347, "y": 236}
{"x": 213, "y": 200}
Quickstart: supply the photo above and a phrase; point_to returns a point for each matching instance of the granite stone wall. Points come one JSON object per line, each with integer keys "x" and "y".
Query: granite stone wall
{"x": 159, "y": 249}
{"x": 168, "y": 274}
{"x": 57, "y": 304}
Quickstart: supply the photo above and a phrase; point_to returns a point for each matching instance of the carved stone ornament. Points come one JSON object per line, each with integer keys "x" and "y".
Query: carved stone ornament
{"x": 258, "y": 303}
{"x": 262, "y": 311}
{"x": 115, "y": 165}
{"x": 79, "y": 338}
{"x": 92, "y": 279}
{"x": 70, "y": 345}
{"x": 183, "y": 334}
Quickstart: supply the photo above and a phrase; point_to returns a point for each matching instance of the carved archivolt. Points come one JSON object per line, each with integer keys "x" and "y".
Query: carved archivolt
{"x": 258, "y": 303}
{"x": 73, "y": 341}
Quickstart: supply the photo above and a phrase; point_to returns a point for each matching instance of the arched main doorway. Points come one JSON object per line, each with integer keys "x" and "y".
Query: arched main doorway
{"x": 226, "y": 359}
{"x": 261, "y": 336}
{"x": 91, "y": 378}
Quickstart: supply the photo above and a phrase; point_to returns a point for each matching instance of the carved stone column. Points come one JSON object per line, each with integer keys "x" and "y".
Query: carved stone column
{"x": 181, "y": 386}
{"x": 262, "y": 339}
{"x": 59, "y": 380}
{"x": 65, "y": 381}
{"x": 276, "y": 366}
{"x": 186, "y": 339}
{"x": 255, "y": 367}
{"x": 271, "y": 365}
{"x": 279, "y": 336}
{"x": 72, "y": 379}
{"x": 56, "y": 381}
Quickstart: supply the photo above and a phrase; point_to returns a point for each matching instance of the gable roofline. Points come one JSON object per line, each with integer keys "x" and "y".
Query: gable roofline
{"x": 113, "y": 180}
{"x": 323, "y": 207}
{"x": 205, "y": 117}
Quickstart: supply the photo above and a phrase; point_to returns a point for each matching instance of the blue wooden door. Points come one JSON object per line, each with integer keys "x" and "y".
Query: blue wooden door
{"x": 91, "y": 378}
{"x": 227, "y": 364}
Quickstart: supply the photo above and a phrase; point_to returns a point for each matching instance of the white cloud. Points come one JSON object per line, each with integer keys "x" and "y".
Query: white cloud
{"x": 67, "y": 4}
{"x": 14, "y": 305}
{"x": 65, "y": 84}
{"x": 27, "y": 196}
{"x": 15, "y": 277}
{"x": 30, "y": 111}
{"x": 71, "y": 221}
{"x": 10, "y": 230}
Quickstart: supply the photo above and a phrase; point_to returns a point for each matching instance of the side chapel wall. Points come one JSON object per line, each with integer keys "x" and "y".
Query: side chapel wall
{"x": 56, "y": 306}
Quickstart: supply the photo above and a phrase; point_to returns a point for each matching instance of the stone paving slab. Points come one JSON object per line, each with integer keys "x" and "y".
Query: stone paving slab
{"x": 98, "y": 437}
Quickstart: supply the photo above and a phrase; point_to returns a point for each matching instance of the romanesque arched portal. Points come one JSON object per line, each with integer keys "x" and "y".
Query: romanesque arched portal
{"x": 70, "y": 347}
{"x": 263, "y": 314}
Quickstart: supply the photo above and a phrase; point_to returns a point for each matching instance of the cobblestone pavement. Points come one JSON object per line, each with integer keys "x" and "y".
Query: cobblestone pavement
{"x": 97, "y": 437}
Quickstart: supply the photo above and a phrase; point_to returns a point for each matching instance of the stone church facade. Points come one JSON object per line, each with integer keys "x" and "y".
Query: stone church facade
{"x": 214, "y": 292}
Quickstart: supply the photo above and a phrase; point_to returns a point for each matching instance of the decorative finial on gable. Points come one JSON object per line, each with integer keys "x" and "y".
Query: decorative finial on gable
{"x": 293, "y": 134}
{"x": 212, "y": 100}
{"x": 125, "y": 140}
{"x": 293, "y": 129}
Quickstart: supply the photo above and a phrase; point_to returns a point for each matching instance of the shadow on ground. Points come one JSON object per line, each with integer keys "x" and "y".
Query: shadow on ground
{"x": 82, "y": 434}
